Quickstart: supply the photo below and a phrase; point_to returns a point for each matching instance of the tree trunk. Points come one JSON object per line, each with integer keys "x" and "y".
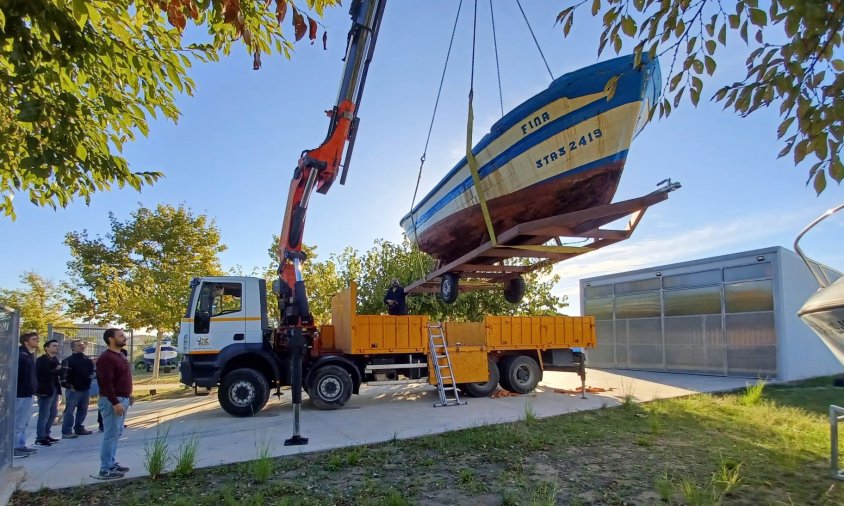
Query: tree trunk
{"x": 157, "y": 361}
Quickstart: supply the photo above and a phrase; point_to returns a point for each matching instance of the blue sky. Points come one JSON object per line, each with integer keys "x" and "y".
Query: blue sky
{"x": 232, "y": 153}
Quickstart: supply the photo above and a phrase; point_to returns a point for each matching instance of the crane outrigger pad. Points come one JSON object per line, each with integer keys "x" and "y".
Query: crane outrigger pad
{"x": 484, "y": 267}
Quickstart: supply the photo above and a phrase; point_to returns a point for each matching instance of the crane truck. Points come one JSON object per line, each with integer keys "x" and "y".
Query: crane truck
{"x": 229, "y": 344}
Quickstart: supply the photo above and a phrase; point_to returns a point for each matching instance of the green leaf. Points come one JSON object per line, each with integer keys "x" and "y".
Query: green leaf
{"x": 722, "y": 35}
{"x": 801, "y": 150}
{"x": 81, "y": 152}
{"x": 836, "y": 170}
{"x": 710, "y": 64}
{"x": 80, "y": 12}
{"x": 628, "y": 26}
{"x": 711, "y": 45}
{"x": 610, "y": 87}
{"x": 2, "y": 20}
{"x": 596, "y": 7}
{"x": 734, "y": 20}
{"x": 820, "y": 182}
{"x": 758, "y": 17}
{"x": 783, "y": 128}
{"x": 838, "y": 65}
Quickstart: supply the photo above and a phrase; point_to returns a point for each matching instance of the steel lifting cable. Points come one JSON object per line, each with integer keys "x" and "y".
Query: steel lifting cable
{"x": 497, "y": 66}
{"x": 530, "y": 28}
{"x": 472, "y": 162}
{"x": 431, "y": 126}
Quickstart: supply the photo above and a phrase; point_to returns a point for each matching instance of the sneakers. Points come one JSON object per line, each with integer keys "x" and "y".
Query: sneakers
{"x": 83, "y": 432}
{"x": 53, "y": 440}
{"x": 24, "y": 452}
{"x": 111, "y": 474}
{"x": 120, "y": 469}
{"x": 69, "y": 436}
{"x": 43, "y": 442}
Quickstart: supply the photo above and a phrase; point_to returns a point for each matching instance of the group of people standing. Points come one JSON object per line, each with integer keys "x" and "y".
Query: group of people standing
{"x": 108, "y": 376}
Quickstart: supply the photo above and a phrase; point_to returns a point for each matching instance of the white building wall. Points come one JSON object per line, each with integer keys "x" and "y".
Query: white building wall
{"x": 800, "y": 353}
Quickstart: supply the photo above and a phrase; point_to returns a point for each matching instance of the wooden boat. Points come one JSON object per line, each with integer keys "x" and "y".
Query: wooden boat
{"x": 561, "y": 151}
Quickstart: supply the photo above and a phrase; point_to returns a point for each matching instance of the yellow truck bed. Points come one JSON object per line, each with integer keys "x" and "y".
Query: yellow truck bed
{"x": 356, "y": 334}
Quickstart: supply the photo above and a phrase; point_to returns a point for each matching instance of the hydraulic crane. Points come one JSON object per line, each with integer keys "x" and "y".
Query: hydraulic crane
{"x": 318, "y": 168}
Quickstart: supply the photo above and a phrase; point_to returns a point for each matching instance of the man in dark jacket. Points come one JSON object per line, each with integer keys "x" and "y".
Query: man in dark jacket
{"x": 77, "y": 372}
{"x": 395, "y": 299}
{"x": 48, "y": 369}
{"x": 27, "y": 384}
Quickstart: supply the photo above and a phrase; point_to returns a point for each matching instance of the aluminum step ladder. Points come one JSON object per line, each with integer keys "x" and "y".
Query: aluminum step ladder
{"x": 438, "y": 350}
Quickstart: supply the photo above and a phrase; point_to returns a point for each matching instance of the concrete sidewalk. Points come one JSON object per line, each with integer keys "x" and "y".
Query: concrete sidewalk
{"x": 378, "y": 414}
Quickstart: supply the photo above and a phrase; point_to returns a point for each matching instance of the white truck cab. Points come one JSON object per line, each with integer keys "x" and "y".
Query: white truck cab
{"x": 225, "y": 329}
{"x": 223, "y": 311}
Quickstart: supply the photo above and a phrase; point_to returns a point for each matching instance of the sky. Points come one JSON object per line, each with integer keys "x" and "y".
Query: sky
{"x": 232, "y": 153}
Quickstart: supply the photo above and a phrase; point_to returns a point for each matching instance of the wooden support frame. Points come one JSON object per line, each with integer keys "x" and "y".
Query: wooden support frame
{"x": 484, "y": 266}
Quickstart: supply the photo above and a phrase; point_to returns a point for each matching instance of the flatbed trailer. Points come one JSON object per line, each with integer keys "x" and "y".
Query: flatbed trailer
{"x": 484, "y": 267}
{"x": 483, "y": 354}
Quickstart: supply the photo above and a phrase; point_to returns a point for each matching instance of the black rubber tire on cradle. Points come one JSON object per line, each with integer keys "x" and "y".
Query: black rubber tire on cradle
{"x": 520, "y": 374}
{"x": 483, "y": 389}
{"x": 243, "y": 392}
{"x": 330, "y": 387}
{"x": 449, "y": 287}
{"x": 514, "y": 290}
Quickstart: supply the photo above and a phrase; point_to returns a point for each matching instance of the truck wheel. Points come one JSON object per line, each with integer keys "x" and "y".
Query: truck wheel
{"x": 483, "y": 389}
{"x": 520, "y": 374}
{"x": 330, "y": 387}
{"x": 449, "y": 287}
{"x": 243, "y": 392}
{"x": 514, "y": 291}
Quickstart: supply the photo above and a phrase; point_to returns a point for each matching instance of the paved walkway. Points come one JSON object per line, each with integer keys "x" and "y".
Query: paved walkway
{"x": 378, "y": 414}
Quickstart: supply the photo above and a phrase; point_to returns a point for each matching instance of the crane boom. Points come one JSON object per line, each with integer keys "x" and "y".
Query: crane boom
{"x": 318, "y": 168}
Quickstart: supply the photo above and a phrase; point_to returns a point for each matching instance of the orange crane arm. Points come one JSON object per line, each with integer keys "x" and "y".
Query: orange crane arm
{"x": 318, "y": 168}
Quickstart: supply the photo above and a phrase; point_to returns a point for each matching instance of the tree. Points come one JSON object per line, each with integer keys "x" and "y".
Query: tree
{"x": 40, "y": 302}
{"x": 373, "y": 270}
{"x": 80, "y": 78}
{"x": 792, "y": 61}
{"x": 139, "y": 274}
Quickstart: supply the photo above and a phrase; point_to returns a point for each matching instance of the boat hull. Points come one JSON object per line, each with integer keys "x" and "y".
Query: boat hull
{"x": 824, "y": 313}
{"x": 561, "y": 151}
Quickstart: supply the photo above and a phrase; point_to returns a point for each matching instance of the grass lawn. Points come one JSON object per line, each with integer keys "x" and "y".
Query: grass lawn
{"x": 141, "y": 377}
{"x": 754, "y": 447}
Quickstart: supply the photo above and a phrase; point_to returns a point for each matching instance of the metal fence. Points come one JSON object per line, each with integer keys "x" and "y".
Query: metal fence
{"x": 92, "y": 336}
{"x": 9, "y": 342}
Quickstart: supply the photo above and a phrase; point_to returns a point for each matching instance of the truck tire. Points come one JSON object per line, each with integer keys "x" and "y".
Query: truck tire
{"x": 449, "y": 287}
{"x": 483, "y": 389}
{"x": 330, "y": 387}
{"x": 243, "y": 392}
{"x": 514, "y": 290}
{"x": 520, "y": 374}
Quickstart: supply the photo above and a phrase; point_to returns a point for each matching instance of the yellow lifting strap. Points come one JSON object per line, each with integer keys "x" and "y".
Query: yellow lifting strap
{"x": 476, "y": 178}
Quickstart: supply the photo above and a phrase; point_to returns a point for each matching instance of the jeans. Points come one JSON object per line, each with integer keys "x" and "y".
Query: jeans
{"x": 75, "y": 411}
{"x": 48, "y": 410}
{"x": 23, "y": 413}
{"x": 113, "y": 426}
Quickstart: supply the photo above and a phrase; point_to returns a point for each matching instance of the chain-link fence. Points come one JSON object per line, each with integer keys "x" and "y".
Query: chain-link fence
{"x": 9, "y": 329}
{"x": 90, "y": 335}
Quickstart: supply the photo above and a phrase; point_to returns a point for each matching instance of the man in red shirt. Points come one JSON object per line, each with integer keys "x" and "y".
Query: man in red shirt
{"x": 114, "y": 377}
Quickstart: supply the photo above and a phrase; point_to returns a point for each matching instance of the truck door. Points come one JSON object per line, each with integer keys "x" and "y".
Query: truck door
{"x": 218, "y": 318}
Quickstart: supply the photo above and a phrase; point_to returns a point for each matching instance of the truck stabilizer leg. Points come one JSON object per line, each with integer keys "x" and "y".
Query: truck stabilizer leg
{"x": 296, "y": 344}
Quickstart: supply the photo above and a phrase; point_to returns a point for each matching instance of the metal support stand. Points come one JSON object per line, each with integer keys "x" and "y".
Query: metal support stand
{"x": 296, "y": 344}
{"x": 581, "y": 371}
{"x": 836, "y": 414}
